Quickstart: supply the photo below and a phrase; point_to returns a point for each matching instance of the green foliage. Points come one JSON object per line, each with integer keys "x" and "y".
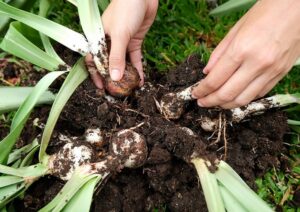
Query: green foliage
{"x": 80, "y": 185}
{"x": 23, "y": 113}
{"x": 4, "y": 21}
{"x": 231, "y": 6}
{"x": 17, "y": 95}
{"x": 17, "y": 44}
{"x": 182, "y": 28}
{"x": 76, "y": 76}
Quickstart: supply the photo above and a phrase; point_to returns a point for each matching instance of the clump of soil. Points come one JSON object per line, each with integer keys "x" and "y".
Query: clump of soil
{"x": 166, "y": 181}
{"x": 19, "y": 73}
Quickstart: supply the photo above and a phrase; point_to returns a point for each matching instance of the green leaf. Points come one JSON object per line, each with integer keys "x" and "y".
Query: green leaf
{"x": 232, "y": 6}
{"x": 44, "y": 8}
{"x": 209, "y": 186}
{"x": 248, "y": 198}
{"x": 76, "y": 76}
{"x": 103, "y": 4}
{"x": 17, "y": 96}
{"x": 9, "y": 180}
{"x": 17, "y": 44}
{"x": 231, "y": 203}
{"x": 19, "y": 153}
{"x": 33, "y": 171}
{"x": 293, "y": 122}
{"x": 297, "y": 62}
{"x": 77, "y": 181}
{"x": 83, "y": 198}
{"x": 4, "y": 21}
{"x": 69, "y": 38}
{"x": 91, "y": 24}
{"x": 8, "y": 193}
{"x": 29, "y": 157}
{"x": 3, "y": 209}
{"x": 23, "y": 113}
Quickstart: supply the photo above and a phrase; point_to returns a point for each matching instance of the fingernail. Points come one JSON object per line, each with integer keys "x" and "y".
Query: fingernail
{"x": 115, "y": 74}
{"x": 200, "y": 104}
{"x": 205, "y": 70}
{"x": 193, "y": 96}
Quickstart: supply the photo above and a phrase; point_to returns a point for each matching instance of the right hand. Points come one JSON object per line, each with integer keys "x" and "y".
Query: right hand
{"x": 126, "y": 22}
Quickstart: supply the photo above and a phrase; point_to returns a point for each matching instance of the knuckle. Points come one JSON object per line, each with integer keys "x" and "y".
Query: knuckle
{"x": 210, "y": 84}
{"x": 266, "y": 60}
{"x": 226, "y": 96}
{"x": 115, "y": 60}
{"x": 239, "y": 52}
{"x": 242, "y": 101}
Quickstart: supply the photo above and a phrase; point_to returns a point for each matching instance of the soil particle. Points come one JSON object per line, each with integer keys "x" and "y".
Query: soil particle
{"x": 167, "y": 181}
{"x": 19, "y": 73}
{"x": 39, "y": 194}
{"x": 158, "y": 155}
{"x": 186, "y": 73}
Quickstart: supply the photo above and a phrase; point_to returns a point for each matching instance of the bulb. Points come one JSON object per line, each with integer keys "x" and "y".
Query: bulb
{"x": 131, "y": 147}
{"x": 126, "y": 85}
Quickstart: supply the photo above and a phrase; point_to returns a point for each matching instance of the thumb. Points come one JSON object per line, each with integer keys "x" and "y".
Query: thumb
{"x": 119, "y": 43}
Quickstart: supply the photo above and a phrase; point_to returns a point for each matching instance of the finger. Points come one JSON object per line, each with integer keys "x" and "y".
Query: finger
{"x": 97, "y": 79}
{"x": 95, "y": 76}
{"x": 221, "y": 72}
{"x": 136, "y": 60}
{"x": 119, "y": 36}
{"x": 234, "y": 86}
{"x": 251, "y": 92}
{"x": 271, "y": 85}
{"x": 135, "y": 54}
{"x": 119, "y": 42}
{"x": 219, "y": 50}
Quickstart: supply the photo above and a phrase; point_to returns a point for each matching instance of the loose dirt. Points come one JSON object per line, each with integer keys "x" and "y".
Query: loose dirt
{"x": 167, "y": 181}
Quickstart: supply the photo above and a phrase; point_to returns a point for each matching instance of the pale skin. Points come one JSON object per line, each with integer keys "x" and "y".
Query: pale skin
{"x": 126, "y": 23}
{"x": 257, "y": 52}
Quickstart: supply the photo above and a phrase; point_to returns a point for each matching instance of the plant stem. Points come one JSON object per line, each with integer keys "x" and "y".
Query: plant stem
{"x": 209, "y": 186}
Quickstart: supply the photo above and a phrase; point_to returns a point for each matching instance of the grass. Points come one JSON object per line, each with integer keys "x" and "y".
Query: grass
{"x": 182, "y": 28}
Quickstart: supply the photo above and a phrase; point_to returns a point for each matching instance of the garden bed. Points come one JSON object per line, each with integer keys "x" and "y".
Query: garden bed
{"x": 165, "y": 182}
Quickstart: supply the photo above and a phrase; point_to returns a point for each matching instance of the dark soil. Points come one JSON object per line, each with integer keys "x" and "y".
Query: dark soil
{"x": 167, "y": 181}
{"x": 19, "y": 73}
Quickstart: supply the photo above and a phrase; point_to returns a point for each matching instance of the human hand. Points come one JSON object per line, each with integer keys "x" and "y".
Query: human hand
{"x": 258, "y": 51}
{"x": 126, "y": 22}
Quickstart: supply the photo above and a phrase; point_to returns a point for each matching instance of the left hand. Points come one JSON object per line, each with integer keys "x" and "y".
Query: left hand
{"x": 258, "y": 51}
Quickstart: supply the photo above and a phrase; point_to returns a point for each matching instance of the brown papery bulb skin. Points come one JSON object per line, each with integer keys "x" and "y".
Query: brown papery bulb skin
{"x": 126, "y": 85}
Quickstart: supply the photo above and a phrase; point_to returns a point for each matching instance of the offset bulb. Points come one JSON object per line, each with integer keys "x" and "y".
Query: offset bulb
{"x": 130, "y": 147}
{"x": 126, "y": 85}
{"x": 68, "y": 158}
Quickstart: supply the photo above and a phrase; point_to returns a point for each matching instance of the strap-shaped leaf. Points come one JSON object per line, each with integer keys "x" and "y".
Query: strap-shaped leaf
{"x": 93, "y": 29}
{"x": 43, "y": 11}
{"x": 83, "y": 198}
{"x": 19, "y": 153}
{"x": 36, "y": 170}
{"x": 69, "y": 38}
{"x": 17, "y": 44}
{"x": 17, "y": 96}
{"x": 231, "y": 6}
{"x": 76, "y": 76}
{"x": 9, "y": 180}
{"x": 23, "y": 113}
{"x": 10, "y": 192}
{"x": 77, "y": 181}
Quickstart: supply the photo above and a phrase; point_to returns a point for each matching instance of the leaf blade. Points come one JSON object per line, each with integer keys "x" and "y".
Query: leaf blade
{"x": 76, "y": 76}
{"x": 71, "y": 39}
